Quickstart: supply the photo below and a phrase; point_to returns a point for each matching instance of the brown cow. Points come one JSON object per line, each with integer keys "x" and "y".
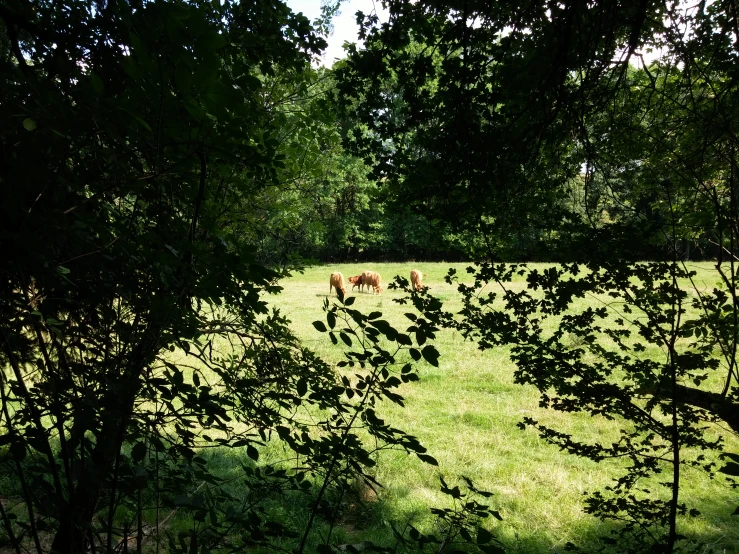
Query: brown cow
{"x": 372, "y": 279}
{"x": 417, "y": 279}
{"x": 337, "y": 282}
{"x": 356, "y": 281}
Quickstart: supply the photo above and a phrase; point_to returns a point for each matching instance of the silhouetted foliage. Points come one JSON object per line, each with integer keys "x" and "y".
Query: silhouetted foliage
{"x": 142, "y": 144}
{"x": 531, "y": 121}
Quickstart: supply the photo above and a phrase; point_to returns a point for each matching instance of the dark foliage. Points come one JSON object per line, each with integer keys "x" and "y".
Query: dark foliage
{"x": 529, "y": 125}
{"x": 136, "y": 141}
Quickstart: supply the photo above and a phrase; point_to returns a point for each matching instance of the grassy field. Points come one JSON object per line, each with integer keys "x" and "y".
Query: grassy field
{"x": 465, "y": 412}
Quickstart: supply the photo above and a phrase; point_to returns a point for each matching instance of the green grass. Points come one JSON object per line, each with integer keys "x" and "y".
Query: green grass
{"x": 465, "y": 412}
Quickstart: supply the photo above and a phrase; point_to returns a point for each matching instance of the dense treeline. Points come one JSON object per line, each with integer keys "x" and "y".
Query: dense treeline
{"x": 328, "y": 207}
{"x": 339, "y": 202}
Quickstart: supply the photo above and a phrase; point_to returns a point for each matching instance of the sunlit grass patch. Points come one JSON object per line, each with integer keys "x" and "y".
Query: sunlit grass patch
{"x": 466, "y": 413}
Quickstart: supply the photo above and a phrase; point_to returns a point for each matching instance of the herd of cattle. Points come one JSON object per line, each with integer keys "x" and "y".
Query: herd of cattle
{"x": 369, "y": 279}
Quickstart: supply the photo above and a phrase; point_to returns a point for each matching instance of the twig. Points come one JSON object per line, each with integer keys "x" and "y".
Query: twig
{"x": 151, "y": 529}
{"x": 724, "y": 249}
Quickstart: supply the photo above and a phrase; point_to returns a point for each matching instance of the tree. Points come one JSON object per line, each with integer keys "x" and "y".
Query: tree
{"x": 499, "y": 109}
{"x": 467, "y": 106}
{"x": 137, "y": 139}
{"x": 132, "y": 136}
{"x": 327, "y": 207}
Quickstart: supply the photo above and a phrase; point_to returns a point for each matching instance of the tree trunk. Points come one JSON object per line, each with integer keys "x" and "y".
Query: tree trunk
{"x": 713, "y": 402}
{"x": 72, "y": 535}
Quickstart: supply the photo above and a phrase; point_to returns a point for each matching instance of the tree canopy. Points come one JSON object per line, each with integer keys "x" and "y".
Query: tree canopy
{"x": 546, "y": 120}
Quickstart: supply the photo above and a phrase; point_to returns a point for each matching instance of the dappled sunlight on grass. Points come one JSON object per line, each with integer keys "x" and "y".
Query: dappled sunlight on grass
{"x": 466, "y": 413}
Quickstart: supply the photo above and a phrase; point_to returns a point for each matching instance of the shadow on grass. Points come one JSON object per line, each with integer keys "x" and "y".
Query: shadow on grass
{"x": 360, "y": 514}
{"x": 363, "y": 514}
{"x": 348, "y": 517}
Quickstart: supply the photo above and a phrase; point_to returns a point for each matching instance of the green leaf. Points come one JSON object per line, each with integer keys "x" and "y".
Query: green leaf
{"x": 131, "y": 68}
{"x": 177, "y": 378}
{"x": 29, "y": 124}
{"x": 349, "y": 301}
{"x": 138, "y": 452}
{"x": 428, "y": 459}
{"x": 415, "y": 354}
{"x": 141, "y": 122}
{"x": 217, "y": 41}
{"x": 431, "y": 355}
{"x": 18, "y": 449}
{"x": 345, "y": 338}
{"x": 97, "y": 83}
{"x": 403, "y": 339}
{"x": 252, "y": 452}
{"x": 194, "y": 109}
{"x": 320, "y": 326}
{"x": 331, "y": 318}
{"x": 483, "y": 536}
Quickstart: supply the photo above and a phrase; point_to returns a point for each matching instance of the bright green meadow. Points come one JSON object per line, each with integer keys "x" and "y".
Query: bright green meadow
{"x": 465, "y": 413}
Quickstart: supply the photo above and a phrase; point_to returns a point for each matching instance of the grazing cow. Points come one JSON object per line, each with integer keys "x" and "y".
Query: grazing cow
{"x": 337, "y": 282}
{"x": 416, "y": 279}
{"x": 356, "y": 281}
{"x": 372, "y": 279}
